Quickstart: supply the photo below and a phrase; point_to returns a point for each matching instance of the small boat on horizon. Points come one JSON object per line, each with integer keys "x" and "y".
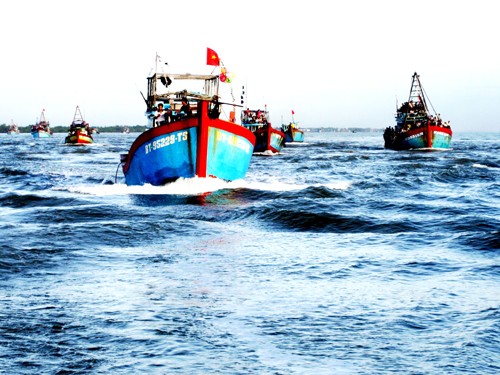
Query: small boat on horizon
{"x": 79, "y": 131}
{"x": 268, "y": 140}
{"x": 42, "y": 128}
{"x": 13, "y": 128}
{"x": 292, "y": 131}
{"x": 186, "y": 137}
{"x": 416, "y": 128}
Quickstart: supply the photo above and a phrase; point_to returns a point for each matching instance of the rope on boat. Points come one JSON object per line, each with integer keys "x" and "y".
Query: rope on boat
{"x": 116, "y": 174}
{"x": 427, "y": 96}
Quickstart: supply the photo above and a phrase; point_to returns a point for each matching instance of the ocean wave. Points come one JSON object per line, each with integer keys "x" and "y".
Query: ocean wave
{"x": 10, "y": 172}
{"x": 322, "y": 221}
{"x": 27, "y": 200}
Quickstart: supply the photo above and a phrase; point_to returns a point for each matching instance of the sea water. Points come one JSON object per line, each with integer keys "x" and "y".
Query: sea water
{"x": 335, "y": 257}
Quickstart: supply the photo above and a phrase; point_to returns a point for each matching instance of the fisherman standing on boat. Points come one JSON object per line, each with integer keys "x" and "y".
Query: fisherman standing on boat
{"x": 186, "y": 109}
{"x": 161, "y": 116}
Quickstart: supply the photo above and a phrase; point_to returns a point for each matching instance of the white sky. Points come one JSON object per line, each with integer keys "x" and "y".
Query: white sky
{"x": 335, "y": 63}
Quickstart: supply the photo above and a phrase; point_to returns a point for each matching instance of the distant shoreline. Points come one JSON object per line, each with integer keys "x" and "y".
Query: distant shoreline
{"x": 141, "y": 128}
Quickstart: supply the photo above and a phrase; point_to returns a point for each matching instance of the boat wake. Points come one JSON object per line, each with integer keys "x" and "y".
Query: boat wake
{"x": 430, "y": 149}
{"x": 266, "y": 153}
{"x": 198, "y": 186}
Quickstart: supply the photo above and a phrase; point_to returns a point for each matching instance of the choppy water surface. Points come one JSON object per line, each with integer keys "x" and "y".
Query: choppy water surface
{"x": 335, "y": 257}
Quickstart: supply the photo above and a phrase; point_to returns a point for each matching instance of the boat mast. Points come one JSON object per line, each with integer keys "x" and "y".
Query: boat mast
{"x": 42, "y": 116}
{"x": 416, "y": 92}
{"x": 419, "y": 92}
{"x": 78, "y": 115}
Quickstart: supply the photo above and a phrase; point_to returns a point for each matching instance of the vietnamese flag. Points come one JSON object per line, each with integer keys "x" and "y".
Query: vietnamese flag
{"x": 212, "y": 57}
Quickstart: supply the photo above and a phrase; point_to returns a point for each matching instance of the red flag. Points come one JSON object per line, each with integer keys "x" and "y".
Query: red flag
{"x": 293, "y": 112}
{"x": 212, "y": 57}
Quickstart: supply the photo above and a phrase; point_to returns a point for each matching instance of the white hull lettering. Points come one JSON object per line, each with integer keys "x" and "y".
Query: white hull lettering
{"x": 165, "y": 141}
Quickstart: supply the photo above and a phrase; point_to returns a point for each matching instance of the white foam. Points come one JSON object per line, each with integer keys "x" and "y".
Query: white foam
{"x": 482, "y": 166}
{"x": 197, "y": 186}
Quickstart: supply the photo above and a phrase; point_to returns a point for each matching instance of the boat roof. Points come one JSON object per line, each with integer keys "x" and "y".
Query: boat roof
{"x": 186, "y": 76}
{"x": 209, "y": 91}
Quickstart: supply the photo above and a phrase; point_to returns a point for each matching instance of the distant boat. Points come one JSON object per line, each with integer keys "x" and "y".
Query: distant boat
{"x": 267, "y": 139}
{"x": 416, "y": 128}
{"x": 292, "y": 131}
{"x": 13, "y": 129}
{"x": 79, "y": 131}
{"x": 187, "y": 140}
{"x": 126, "y": 130}
{"x": 42, "y": 128}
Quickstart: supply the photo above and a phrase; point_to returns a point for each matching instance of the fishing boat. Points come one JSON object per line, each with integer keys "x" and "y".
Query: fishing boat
{"x": 292, "y": 131}
{"x": 79, "y": 131}
{"x": 13, "y": 129}
{"x": 42, "y": 127}
{"x": 417, "y": 128}
{"x": 188, "y": 138}
{"x": 268, "y": 140}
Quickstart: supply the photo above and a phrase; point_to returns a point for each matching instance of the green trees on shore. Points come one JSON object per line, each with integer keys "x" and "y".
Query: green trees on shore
{"x": 64, "y": 129}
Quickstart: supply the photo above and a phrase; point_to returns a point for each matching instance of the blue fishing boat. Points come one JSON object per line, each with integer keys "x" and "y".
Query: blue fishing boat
{"x": 187, "y": 137}
{"x": 268, "y": 140}
{"x": 292, "y": 131}
{"x": 42, "y": 128}
{"x": 417, "y": 128}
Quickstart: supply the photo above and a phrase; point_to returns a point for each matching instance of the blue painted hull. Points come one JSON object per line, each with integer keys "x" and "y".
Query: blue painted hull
{"x": 298, "y": 136}
{"x": 163, "y": 157}
{"x": 192, "y": 147}
{"x": 229, "y": 154}
{"x": 40, "y": 134}
{"x": 293, "y": 134}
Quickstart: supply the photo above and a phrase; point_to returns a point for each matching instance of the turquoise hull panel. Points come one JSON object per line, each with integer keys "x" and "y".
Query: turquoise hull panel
{"x": 228, "y": 154}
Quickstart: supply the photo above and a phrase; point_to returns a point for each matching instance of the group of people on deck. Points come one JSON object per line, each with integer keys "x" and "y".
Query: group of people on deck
{"x": 84, "y": 125}
{"x": 165, "y": 114}
{"x": 415, "y": 116}
{"x": 254, "y": 117}
{"x": 42, "y": 126}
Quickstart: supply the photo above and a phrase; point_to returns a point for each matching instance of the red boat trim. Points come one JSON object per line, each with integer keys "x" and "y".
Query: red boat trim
{"x": 233, "y": 128}
{"x": 202, "y": 122}
{"x": 431, "y": 128}
{"x": 202, "y": 146}
{"x": 429, "y": 134}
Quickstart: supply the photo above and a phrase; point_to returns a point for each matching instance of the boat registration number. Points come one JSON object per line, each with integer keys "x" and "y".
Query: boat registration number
{"x": 166, "y": 141}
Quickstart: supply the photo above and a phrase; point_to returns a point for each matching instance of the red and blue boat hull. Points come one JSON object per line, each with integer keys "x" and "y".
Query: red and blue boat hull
{"x": 428, "y": 137}
{"x": 268, "y": 139}
{"x": 198, "y": 146}
{"x": 293, "y": 134}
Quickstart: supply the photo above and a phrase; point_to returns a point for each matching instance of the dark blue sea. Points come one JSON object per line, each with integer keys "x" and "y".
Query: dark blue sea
{"x": 335, "y": 257}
